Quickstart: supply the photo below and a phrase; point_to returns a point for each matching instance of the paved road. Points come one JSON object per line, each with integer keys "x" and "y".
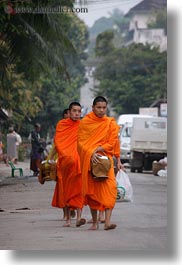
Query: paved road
{"x": 28, "y": 222}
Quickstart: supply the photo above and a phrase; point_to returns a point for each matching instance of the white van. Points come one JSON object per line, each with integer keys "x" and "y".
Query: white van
{"x": 128, "y": 118}
{"x": 126, "y": 122}
{"x": 125, "y": 141}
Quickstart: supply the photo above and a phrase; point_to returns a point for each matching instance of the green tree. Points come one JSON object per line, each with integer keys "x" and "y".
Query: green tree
{"x": 132, "y": 77}
{"x": 104, "y": 43}
{"x": 30, "y": 37}
{"x": 116, "y": 23}
{"x": 46, "y": 52}
{"x": 58, "y": 92}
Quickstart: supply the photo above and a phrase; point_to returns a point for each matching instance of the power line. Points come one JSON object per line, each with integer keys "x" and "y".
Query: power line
{"x": 110, "y": 4}
{"x": 104, "y": 7}
{"x": 104, "y": 2}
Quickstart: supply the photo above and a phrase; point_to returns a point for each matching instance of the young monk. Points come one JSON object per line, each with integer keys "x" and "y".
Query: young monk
{"x": 68, "y": 166}
{"x": 98, "y": 133}
{"x": 58, "y": 200}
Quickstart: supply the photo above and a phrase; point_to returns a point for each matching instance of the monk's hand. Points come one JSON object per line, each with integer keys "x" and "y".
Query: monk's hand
{"x": 120, "y": 166}
{"x": 96, "y": 154}
{"x": 94, "y": 157}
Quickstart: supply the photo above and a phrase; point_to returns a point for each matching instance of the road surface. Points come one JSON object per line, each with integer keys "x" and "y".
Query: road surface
{"x": 29, "y": 222}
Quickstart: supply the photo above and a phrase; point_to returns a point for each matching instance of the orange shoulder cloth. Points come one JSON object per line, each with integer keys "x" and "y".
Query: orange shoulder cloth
{"x": 66, "y": 136}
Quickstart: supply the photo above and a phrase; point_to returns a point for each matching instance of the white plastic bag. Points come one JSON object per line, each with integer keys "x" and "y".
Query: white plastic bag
{"x": 124, "y": 187}
{"x": 162, "y": 173}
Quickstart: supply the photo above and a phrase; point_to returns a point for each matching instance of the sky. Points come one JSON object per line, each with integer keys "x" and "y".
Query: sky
{"x": 102, "y": 8}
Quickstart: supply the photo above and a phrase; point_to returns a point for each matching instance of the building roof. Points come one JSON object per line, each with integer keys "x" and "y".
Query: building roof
{"x": 148, "y": 5}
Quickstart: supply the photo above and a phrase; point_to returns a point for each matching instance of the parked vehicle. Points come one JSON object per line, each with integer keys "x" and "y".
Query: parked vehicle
{"x": 128, "y": 118}
{"x": 125, "y": 142}
{"x": 148, "y": 142}
{"x": 126, "y": 122}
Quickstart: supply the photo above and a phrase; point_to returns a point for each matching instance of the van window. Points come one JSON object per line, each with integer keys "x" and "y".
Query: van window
{"x": 126, "y": 132}
{"x": 155, "y": 125}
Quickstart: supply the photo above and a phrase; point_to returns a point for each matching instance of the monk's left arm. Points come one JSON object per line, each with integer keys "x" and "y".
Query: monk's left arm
{"x": 117, "y": 148}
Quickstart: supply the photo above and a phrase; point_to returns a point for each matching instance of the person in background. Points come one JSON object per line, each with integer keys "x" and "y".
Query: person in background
{"x": 58, "y": 194}
{"x": 47, "y": 150}
{"x": 1, "y": 147}
{"x": 3, "y": 157}
{"x": 68, "y": 190}
{"x": 98, "y": 133}
{"x": 19, "y": 141}
{"x": 11, "y": 146}
{"x": 36, "y": 155}
{"x": 66, "y": 113}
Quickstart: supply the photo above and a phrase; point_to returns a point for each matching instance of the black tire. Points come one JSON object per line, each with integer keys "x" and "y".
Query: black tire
{"x": 132, "y": 169}
{"x": 140, "y": 170}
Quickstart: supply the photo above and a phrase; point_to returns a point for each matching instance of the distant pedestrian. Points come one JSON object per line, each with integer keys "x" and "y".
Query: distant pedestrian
{"x": 18, "y": 142}
{"x": 11, "y": 145}
{"x": 66, "y": 113}
{"x": 1, "y": 146}
{"x": 37, "y": 150}
{"x": 3, "y": 156}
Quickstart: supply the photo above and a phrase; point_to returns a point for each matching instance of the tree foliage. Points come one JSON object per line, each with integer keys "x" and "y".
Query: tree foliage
{"x": 40, "y": 62}
{"x": 104, "y": 43}
{"x": 132, "y": 77}
{"x": 30, "y": 37}
{"x": 116, "y": 23}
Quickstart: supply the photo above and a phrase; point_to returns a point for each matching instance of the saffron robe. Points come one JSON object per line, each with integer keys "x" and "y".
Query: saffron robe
{"x": 117, "y": 148}
{"x": 94, "y": 132}
{"x": 68, "y": 190}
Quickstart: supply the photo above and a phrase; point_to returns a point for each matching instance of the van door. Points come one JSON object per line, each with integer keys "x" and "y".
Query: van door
{"x": 125, "y": 140}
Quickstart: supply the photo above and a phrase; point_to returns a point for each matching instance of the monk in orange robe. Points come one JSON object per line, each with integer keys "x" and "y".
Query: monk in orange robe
{"x": 68, "y": 191}
{"x": 98, "y": 133}
{"x": 58, "y": 200}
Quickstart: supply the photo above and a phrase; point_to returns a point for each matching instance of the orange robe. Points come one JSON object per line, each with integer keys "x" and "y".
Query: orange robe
{"x": 68, "y": 190}
{"x": 94, "y": 132}
{"x": 117, "y": 148}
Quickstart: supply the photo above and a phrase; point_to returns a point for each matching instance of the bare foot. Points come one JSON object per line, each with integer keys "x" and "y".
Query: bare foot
{"x": 90, "y": 221}
{"x": 101, "y": 221}
{"x": 95, "y": 226}
{"x": 66, "y": 225}
{"x": 64, "y": 218}
{"x": 111, "y": 226}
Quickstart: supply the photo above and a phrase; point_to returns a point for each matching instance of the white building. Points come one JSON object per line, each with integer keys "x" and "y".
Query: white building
{"x": 140, "y": 16}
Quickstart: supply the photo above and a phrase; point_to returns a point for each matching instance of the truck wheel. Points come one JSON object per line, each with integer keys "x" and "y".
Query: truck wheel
{"x": 140, "y": 170}
{"x": 132, "y": 169}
